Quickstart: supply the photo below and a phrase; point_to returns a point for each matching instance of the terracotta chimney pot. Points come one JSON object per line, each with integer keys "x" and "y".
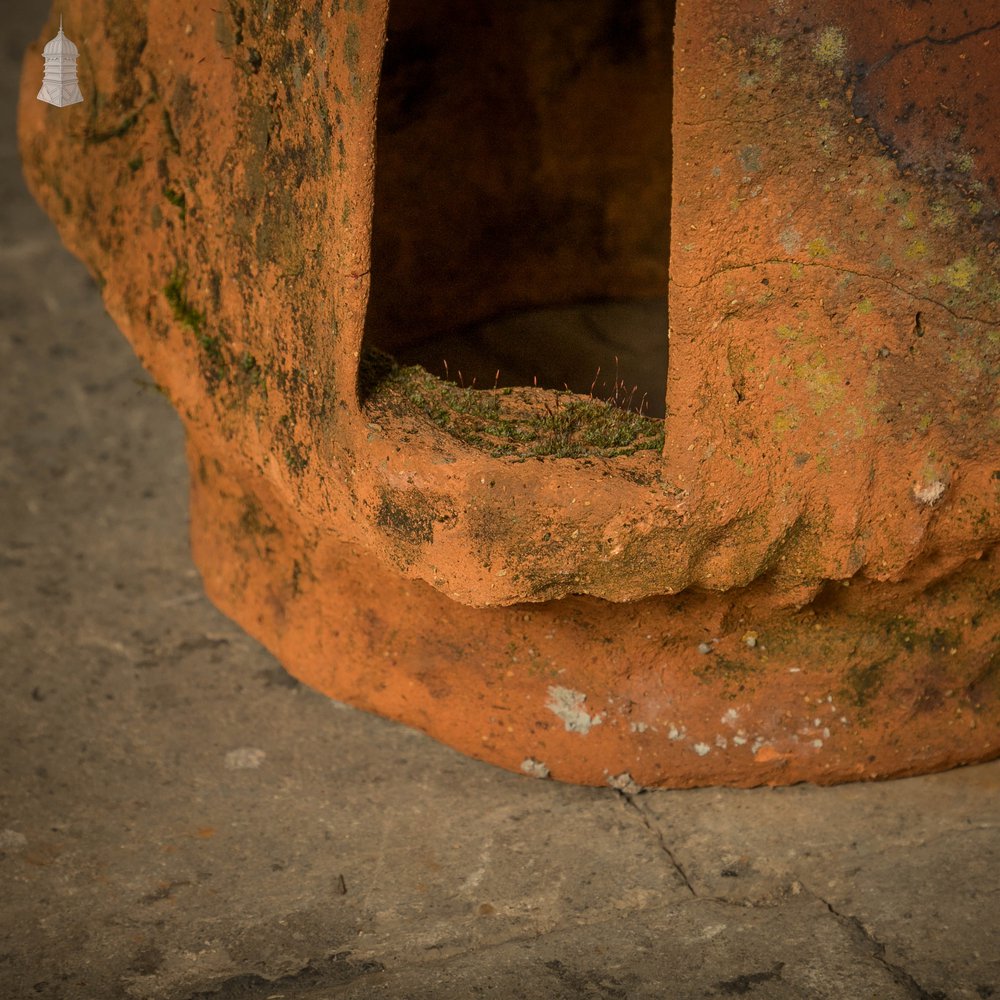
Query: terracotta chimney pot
{"x": 793, "y": 575}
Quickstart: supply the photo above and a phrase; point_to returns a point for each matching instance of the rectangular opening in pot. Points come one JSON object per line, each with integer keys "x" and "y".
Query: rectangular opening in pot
{"x": 522, "y": 194}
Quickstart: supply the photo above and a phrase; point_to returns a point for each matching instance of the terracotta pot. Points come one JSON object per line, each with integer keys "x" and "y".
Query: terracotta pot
{"x": 793, "y": 576}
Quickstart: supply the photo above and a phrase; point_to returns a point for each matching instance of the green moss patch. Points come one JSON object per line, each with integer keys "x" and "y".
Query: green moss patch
{"x": 254, "y": 520}
{"x": 864, "y": 683}
{"x": 168, "y": 128}
{"x": 176, "y": 295}
{"x": 214, "y": 363}
{"x": 408, "y": 515}
{"x": 733, "y": 675}
{"x": 519, "y": 423}
{"x": 94, "y": 136}
{"x": 296, "y": 459}
{"x": 177, "y": 199}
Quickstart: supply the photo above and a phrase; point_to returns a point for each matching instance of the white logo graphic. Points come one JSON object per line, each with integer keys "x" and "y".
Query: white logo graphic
{"x": 60, "y": 87}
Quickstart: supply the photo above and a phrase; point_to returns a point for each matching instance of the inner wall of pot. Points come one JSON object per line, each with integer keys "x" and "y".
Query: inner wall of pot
{"x": 522, "y": 193}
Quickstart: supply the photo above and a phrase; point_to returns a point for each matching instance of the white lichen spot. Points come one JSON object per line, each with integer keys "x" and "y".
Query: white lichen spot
{"x": 567, "y": 704}
{"x": 534, "y": 768}
{"x": 638, "y": 727}
{"x": 624, "y": 782}
{"x": 739, "y": 740}
{"x": 721, "y": 742}
{"x": 929, "y": 494}
{"x": 830, "y": 47}
{"x": 817, "y": 743}
{"x": 791, "y": 239}
{"x": 244, "y": 758}
{"x": 701, "y": 749}
{"x": 675, "y": 733}
{"x": 731, "y": 717}
{"x": 757, "y": 744}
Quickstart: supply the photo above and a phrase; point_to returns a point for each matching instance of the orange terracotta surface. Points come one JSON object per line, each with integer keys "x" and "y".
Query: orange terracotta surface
{"x": 803, "y": 585}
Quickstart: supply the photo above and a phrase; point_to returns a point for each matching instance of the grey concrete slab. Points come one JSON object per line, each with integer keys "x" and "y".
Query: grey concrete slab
{"x": 790, "y": 948}
{"x": 180, "y": 819}
{"x": 915, "y": 863}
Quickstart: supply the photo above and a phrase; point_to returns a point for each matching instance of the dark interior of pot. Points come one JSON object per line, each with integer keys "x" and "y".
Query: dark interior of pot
{"x": 522, "y": 194}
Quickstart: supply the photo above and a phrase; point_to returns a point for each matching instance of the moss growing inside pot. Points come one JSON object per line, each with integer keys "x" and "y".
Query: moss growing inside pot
{"x": 518, "y": 422}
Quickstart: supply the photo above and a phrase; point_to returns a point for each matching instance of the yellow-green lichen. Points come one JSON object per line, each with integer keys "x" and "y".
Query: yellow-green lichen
{"x": 942, "y": 217}
{"x": 858, "y": 425}
{"x": 819, "y": 248}
{"x": 767, "y": 47}
{"x": 824, "y": 387}
{"x": 831, "y": 46}
{"x": 968, "y": 363}
{"x": 784, "y": 421}
{"x": 960, "y": 273}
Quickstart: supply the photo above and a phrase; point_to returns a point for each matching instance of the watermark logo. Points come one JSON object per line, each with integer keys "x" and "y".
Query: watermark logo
{"x": 60, "y": 86}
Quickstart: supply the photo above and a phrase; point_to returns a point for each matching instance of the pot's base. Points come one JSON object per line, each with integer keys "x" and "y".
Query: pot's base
{"x": 863, "y": 683}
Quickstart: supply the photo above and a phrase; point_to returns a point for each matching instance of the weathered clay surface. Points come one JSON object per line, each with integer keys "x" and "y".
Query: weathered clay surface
{"x": 806, "y": 575}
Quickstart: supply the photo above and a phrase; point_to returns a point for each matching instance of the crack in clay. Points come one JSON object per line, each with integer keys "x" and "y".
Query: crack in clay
{"x": 925, "y": 40}
{"x": 654, "y": 829}
{"x": 986, "y": 321}
{"x": 345, "y": 272}
{"x": 736, "y": 122}
{"x": 878, "y": 950}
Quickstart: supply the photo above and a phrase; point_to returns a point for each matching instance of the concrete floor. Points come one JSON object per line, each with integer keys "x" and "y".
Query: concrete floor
{"x": 180, "y": 819}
